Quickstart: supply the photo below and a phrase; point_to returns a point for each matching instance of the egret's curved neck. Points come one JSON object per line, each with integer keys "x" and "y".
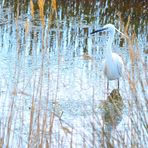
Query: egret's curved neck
{"x": 108, "y": 50}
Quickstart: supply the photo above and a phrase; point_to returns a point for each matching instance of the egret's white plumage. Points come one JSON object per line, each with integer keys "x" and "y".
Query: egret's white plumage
{"x": 113, "y": 65}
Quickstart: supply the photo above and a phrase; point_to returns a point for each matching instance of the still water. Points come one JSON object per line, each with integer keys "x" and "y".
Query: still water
{"x": 48, "y": 55}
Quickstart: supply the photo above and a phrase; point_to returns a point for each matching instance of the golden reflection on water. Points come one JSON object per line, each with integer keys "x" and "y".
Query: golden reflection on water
{"x": 65, "y": 21}
{"x": 104, "y": 10}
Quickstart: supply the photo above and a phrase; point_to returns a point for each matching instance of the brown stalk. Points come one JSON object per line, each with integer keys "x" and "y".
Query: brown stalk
{"x": 32, "y": 8}
{"x": 41, "y": 11}
{"x": 52, "y": 116}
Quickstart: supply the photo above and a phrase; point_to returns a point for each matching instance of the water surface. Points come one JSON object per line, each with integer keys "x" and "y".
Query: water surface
{"x": 48, "y": 55}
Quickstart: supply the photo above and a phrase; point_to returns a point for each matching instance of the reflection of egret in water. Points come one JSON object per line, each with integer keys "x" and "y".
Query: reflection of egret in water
{"x": 112, "y": 112}
{"x": 113, "y": 66}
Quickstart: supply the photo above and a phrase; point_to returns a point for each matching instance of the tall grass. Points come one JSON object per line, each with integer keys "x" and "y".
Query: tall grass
{"x": 47, "y": 128}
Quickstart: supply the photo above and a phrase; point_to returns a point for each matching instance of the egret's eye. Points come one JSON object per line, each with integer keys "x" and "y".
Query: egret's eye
{"x": 105, "y": 33}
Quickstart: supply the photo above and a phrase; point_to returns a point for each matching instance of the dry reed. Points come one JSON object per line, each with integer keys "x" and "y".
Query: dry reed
{"x": 43, "y": 124}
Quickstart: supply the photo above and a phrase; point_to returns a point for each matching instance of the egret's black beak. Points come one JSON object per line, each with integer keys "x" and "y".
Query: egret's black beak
{"x": 100, "y": 30}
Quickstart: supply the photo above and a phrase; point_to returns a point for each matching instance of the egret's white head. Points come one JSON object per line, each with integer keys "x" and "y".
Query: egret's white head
{"x": 110, "y": 29}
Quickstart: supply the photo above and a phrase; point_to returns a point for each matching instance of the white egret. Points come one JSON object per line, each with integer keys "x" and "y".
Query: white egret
{"x": 113, "y": 66}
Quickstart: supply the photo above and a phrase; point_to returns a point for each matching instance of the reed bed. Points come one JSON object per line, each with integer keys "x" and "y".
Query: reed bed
{"x": 38, "y": 120}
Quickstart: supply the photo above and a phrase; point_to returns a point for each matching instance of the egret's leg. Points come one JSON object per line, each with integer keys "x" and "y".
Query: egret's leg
{"x": 107, "y": 86}
{"x": 118, "y": 84}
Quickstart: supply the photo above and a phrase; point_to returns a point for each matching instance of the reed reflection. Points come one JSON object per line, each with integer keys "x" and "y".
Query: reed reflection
{"x": 112, "y": 10}
{"x": 112, "y": 110}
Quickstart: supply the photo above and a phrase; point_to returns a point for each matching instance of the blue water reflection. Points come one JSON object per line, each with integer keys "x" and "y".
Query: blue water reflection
{"x": 60, "y": 63}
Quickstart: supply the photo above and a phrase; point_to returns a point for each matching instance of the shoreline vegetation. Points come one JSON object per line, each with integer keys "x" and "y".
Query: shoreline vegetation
{"x": 45, "y": 124}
